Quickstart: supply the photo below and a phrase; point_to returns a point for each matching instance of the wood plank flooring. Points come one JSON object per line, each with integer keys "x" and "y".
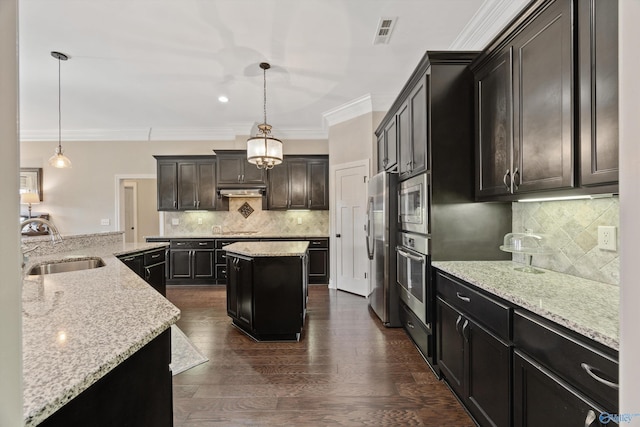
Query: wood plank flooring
{"x": 347, "y": 370}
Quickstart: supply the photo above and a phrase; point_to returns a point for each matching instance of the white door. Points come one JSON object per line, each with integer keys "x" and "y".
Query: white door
{"x": 352, "y": 263}
{"x": 130, "y": 208}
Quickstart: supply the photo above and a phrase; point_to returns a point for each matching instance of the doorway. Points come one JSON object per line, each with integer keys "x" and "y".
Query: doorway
{"x": 130, "y": 211}
{"x": 350, "y": 204}
{"x": 137, "y": 207}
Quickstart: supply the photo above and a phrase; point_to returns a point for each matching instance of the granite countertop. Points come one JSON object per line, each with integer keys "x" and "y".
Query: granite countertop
{"x": 242, "y": 234}
{"x": 78, "y": 326}
{"x": 584, "y": 306}
{"x": 268, "y": 249}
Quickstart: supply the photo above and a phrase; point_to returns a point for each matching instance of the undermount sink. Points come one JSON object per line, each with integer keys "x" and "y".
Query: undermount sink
{"x": 66, "y": 266}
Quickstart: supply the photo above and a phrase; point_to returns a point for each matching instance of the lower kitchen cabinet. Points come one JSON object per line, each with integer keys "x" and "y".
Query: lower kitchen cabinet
{"x": 318, "y": 261}
{"x": 137, "y": 392}
{"x": 475, "y": 364}
{"x": 266, "y": 295}
{"x": 150, "y": 265}
{"x": 192, "y": 261}
{"x": 541, "y": 398}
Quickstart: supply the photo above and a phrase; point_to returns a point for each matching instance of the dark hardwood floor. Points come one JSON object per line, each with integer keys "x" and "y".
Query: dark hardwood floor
{"x": 347, "y": 370}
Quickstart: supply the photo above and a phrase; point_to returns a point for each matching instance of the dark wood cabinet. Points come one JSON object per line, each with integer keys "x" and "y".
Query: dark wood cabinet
{"x": 197, "y": 185}
{"x": 388, "y": 148}
{"x": 319, "y": 261}
{"x": 598, "y": 84}
{"x": 542, "y": 398}
{"x": 300, "y": 182}
{"x": 266, "y": 295}
{"x": 192, "y": 261}
{"x": 234, "y": 169}
{"x": 524, "y": 108}
{"x": 546, "y": 92}
{"x": 150, "y": 265}
{"x": 186, "y": 183}
{"x": 413, "y": 130}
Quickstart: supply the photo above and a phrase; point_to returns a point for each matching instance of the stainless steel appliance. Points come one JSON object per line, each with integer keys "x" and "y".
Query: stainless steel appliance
{"x": 413, "y": 275}
{"x": 381, "y": 235}
{"x": 413, "y": 204}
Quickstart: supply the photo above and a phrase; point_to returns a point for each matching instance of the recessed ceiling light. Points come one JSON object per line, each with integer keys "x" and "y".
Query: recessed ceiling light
{"x": 223, "y": 99}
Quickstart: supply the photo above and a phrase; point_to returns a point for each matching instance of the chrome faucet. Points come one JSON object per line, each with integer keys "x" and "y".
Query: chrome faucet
{"x": 55, "y": 234}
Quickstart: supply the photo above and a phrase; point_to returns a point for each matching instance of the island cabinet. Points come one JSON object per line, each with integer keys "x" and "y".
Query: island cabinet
{"x": 534, "y": 90}
{"x": 574, "y": 389}
{"x": 186, "y": 183}
{"x": 234, "y": 170}
{"x": 267, "y": 288}
{"x": 191, "y": 261}
{"x": 474, "y": 351}
{"x": 145, "y": 378}
{"x": 150, "y": 265}
{"x": 300, "y": 182}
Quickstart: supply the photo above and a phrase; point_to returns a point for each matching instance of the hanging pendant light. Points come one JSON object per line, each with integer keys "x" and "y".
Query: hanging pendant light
{"x": 59, "y": 160}
{"x": 263, "y": 150}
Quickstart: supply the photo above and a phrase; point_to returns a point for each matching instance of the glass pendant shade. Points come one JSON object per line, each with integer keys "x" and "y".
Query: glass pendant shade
{"x": 59, "y": 160}
{"x": 263, "y": 150}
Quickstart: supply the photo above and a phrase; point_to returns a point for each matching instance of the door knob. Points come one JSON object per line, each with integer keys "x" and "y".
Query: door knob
{"x": 337, "y": 235}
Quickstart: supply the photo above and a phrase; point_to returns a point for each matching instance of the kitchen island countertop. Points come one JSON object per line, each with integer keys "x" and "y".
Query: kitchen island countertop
{"x": 80, "y": 325}
{"x": 584, "y": 306}
{"x": 268, "y": 249}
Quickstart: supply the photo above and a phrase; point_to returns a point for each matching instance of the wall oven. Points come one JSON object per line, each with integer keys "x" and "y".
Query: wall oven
{"x": 413, "y": 204}
{"x": 412, "y": 274}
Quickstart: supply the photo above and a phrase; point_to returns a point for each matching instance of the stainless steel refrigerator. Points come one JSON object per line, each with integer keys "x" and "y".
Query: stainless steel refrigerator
{"x": 381, "y": 242}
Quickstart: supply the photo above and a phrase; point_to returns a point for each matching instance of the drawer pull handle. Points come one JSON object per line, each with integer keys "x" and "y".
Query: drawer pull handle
{"x": 462, "y": 297}
{"x": 130, "y": 259}
{"x": 155, "y": 256}
{"x": 589, "y": 370}
{"x": 180, "y": 244}
{"x": 591, "y": 417}
{"x": 203, "y": 243}
{"x": 409, "y": 324}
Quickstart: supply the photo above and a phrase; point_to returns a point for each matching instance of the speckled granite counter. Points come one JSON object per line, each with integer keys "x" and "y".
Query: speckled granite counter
{"x": 584, "y": 306}
{"x": 242, "y": 235}
{"x": 268, "y": 249}
{"x": 78, "y": 326}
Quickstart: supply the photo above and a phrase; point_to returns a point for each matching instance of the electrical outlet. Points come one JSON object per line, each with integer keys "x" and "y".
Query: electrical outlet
{"x": 105, "y": 221}
{"x": 199, "y": 221}
{"x": 607, "y": 239}
{"x": 299, "y": 220}
{"x": 175, "y": 221}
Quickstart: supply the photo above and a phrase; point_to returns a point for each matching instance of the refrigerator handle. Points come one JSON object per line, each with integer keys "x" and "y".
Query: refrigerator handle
{"x": 368, "y": 228}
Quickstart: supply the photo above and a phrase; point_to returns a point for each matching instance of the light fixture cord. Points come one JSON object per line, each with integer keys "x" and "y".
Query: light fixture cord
{"x": 264, "y": 74}
{"x": 59, "y": 110}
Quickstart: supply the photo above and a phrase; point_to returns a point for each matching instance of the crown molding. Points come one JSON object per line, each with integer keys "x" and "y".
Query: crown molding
{"x": 488, "y": 21}
{"x": 347, "y": 111}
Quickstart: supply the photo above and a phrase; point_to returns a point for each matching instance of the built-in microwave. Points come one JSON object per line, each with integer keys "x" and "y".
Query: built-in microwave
{"x": 413, "y": 204}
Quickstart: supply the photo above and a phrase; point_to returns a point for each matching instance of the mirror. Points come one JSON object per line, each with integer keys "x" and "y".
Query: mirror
{"x": 31, "y": 181}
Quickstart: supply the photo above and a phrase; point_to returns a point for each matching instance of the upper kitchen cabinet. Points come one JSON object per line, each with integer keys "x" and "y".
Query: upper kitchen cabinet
{"x": 388, "y": 148}
{"x": 598, "y": 75}
{"x": 235, "y": 170}
{"x": 300, "y": 182}
{"x": 412, "y": 130}
{"x": 186, "y": 183}
{"x": 546, "y": 94}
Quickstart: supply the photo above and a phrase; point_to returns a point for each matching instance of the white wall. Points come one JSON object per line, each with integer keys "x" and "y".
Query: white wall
{"x": 10, "y": 285}
{"x": 629, "y": 209}
{"x": 78, "y": 198}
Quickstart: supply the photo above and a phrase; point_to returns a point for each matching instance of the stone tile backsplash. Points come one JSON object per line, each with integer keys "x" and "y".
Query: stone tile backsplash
{"x": 284, "y": 223}
{"x": 572, "y": 230}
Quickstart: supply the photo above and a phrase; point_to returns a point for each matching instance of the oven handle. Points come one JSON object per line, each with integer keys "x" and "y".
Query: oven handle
{"x": 410, "y": 256}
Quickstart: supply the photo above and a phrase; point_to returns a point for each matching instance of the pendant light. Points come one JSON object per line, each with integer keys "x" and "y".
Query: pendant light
{"x": 59, "y": 160}
{"x": 263, "y": 150}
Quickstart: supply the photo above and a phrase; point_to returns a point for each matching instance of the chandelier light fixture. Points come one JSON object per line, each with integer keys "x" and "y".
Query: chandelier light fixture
{"x": 263, "y": 150}
{"x": 59, "y": 160}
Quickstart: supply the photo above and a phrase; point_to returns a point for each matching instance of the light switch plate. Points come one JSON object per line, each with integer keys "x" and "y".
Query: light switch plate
{"x": 607, "y": 239}
{"x": 199, "y": 221}
{"x": 175, "y": 221}
{"x": 105, "y": 221}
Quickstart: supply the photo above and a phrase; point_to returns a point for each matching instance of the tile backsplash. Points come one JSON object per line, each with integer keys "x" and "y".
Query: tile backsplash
{"x": 281, "y": 223}
{"x": 572, "y": 230}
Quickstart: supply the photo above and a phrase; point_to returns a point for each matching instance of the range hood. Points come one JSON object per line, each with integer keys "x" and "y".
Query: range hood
{"x": 242, "y": 192}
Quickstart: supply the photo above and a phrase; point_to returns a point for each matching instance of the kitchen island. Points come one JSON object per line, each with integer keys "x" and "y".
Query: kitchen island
{"x": 267, "y": 288}
{"x": 84, "y": 328}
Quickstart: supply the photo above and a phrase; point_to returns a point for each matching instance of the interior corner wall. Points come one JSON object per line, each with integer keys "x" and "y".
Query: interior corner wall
{"x": 11, "y": 285}
{"x": 352, "y": 140}
{"x": 78, "y": 198}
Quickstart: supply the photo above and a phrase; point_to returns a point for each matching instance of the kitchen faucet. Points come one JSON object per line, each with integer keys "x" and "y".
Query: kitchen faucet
{"x": 55, "y": 234}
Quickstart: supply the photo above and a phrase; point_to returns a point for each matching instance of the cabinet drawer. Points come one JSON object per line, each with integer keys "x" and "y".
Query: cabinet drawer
{"x": 221, "y": 272}
{"x": 417, "y": 331}
{"x": 192, "y": 244}
{"x": 154, "y": 257}
{"x": 485, "y": 310}
{"x": 318, "y": 243}
{"x": 584, "y": 367}
{"x": 221, "y": 256}
{"x": 221, "y": 243}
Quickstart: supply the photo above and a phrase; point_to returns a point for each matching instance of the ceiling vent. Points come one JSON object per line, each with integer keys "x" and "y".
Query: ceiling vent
{"x": 384, "y": 30}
